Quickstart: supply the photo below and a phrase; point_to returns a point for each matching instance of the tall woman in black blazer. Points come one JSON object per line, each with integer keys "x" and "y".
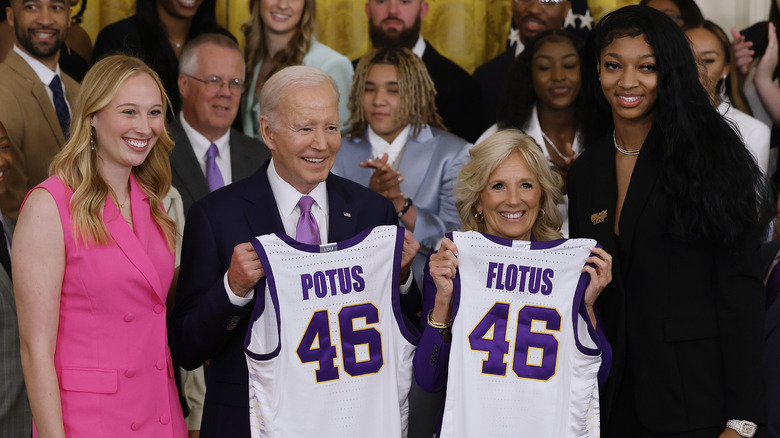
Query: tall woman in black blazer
{"x": 667, "y": 187}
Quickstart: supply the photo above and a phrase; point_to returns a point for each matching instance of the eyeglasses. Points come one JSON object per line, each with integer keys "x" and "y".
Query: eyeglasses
{"x": 545, "y": 3}
{"x": 215, "y": 83}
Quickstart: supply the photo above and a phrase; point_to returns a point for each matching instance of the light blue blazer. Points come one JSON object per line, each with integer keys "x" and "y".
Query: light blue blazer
{"x": 430, "y": 165}
{"x": 320, "y": 56}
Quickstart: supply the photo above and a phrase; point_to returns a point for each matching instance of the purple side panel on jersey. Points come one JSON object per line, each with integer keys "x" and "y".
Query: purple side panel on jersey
{"x": 408, "y": 330}
{"x": 258, "y": 310}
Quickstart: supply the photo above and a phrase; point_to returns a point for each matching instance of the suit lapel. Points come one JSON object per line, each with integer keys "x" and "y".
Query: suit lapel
{"x": 261, "y": 213}
{"x": 643, "y": 180}
{"x": 38, "y": 91}
{"x": 602, "y": 191}
{"x": 416, "y": 159}
{"x": 340, "y": 212}
{"x": 186, "y": 166}
{"x": 353, "y": 152}
{"x": 135, "y": 248}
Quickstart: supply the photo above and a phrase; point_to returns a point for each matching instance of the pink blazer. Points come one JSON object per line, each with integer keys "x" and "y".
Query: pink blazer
{"x": 112, "y": 358}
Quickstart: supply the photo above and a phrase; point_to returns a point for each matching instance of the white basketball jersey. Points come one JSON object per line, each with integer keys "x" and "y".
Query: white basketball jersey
{"x": 328, "y": 349}
{"x": 524, "y": 360}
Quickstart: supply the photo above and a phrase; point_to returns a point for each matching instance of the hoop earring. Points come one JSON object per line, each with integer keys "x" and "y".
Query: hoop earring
{"x": 479, "y": 217}
{"x": 722, "y": 89}
{"x": 541, "y": 216}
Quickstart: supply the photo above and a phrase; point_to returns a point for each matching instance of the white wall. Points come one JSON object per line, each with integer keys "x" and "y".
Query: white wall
{"x": 735, "y": 13}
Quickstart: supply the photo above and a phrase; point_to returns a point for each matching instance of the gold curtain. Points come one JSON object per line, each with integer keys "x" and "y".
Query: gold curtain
{"x": 469, "y": 32}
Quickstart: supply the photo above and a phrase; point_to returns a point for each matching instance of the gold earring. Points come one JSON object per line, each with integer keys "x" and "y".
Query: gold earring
{"x": 541, "y": 216}
{"x": 479, "y": 217}
{"x": 92, "y": 139}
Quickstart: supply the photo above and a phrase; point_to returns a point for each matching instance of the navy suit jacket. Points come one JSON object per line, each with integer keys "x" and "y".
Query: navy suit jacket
{"x": 246, "y": 156}
{"x": 772, "y": 345}
{"x": 205, "y": 325}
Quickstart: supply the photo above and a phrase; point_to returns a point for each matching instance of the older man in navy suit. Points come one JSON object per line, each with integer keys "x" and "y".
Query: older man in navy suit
{"x": 219, "y": 269}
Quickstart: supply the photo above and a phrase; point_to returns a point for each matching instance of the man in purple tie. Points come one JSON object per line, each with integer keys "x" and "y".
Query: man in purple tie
{"x": 36, "y": 96}
{"x": 210, "y": 154}
{"x": 292, "y": 193}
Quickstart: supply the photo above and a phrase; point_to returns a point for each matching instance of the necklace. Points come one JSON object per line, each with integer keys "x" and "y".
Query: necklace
{"x": 555, "y": 148}
{"x": 122, "y": 204}
{"x": 177, "y": 45}
{"x": 621, "y": 150}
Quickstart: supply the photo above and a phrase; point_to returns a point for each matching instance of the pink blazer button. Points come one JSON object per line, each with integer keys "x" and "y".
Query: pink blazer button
{"x": 135, "y": 425}
{"x": 129, "y": 317}
{"x": 130, "y": 373}
{"x": 159, "y": 308}
{"x": 160, "y": 365}
{"x": 165, "y": 419}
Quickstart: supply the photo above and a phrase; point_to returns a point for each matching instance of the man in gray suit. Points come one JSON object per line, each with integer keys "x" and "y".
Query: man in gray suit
{"x": 15, "y": 417}
{"x": 208, "y": 152}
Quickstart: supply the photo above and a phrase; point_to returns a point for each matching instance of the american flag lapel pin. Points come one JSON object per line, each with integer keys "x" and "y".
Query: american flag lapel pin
{"x": 347, "y": 214}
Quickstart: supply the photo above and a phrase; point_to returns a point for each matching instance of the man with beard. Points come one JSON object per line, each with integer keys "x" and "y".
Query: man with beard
{"x": 36, "y": 97}
{"x": 530, "y": 17}
{"x": 396, "y": 23}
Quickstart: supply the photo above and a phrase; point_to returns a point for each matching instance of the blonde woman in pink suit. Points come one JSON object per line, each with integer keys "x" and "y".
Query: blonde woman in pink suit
{"x": 93, "y": 262}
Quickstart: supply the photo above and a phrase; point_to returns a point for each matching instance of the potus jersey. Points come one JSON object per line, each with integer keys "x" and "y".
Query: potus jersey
{"x": 525, "y": 358}
{"x": 328, "y": 350}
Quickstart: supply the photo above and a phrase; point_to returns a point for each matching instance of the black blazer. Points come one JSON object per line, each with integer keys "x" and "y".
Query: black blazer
{"x": 491, "y": 78}
{"x": 246, "y": 156}
{"x": 205, "y": 325}
{"x": 686, "y": 317}
{"x": 772, "y": 347}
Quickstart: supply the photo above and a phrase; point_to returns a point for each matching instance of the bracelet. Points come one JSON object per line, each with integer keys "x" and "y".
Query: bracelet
{"x": 407, "y": 205}
{"x": 438, "y": 325}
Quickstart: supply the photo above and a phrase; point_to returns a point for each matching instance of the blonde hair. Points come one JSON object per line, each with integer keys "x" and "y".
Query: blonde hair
{"x": 297, "y": 48}
{"x": 76, "y": 163}
{"x": 485, "y": 158}
{"x": 415, "y": 87}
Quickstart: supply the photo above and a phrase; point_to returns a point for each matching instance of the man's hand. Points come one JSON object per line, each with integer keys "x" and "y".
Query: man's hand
{"x": 245, "y": 269}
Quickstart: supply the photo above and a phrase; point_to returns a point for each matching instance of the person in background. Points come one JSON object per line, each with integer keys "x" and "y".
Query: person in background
{"x": 397, "y": 146}
{"x": 396, "y": 23}
{"x": 93, "y": 263}
{"x": 157, "y": 33}
{"x": 15, "y": 417}
{"x": 657, "y": 187}
{"x": 36, "y": 95}
{"x": 543, "y": 100}
{"x": 685, "y": 13}
{"x": 531, "y": 17}
{"x": 715, "y": 55}
{"x": 280, "y": 33}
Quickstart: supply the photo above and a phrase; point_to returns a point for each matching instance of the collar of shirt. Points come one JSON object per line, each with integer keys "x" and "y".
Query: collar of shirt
{"x": 287, "y": 198}
{"x": 380, "y": 146}
{"x": 44, "y": 73}
{"x": 419, "y": 47}
{"x": 200, "y": 145}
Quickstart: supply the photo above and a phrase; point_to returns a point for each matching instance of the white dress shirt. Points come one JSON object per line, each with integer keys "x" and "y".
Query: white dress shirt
{"x": 45, "y": 74}
{"x": 200, "y": 145}
{"x": 380, "y": 146}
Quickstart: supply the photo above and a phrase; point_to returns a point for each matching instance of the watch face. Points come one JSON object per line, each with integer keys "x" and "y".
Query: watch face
{"x": 748, "y": 429}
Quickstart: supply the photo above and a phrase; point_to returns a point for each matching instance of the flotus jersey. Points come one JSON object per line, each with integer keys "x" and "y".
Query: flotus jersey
{"x": 328, "y": 350}
{"x": 524, "y": 359}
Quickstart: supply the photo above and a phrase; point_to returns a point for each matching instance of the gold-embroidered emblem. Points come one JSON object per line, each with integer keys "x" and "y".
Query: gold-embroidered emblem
{"x": 598, "y": 218}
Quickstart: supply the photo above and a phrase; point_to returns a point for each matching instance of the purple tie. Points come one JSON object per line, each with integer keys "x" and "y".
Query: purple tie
{"x": 213, "y": 175}
{"x": 307, "y": 230}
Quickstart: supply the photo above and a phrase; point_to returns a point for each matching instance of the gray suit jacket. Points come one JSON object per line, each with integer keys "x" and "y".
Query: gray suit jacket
{"x": 31, "y": 121}
{"x": 246, "y": 156}
{"x": 430, "y": 165}
{"x": 15, "y": 417}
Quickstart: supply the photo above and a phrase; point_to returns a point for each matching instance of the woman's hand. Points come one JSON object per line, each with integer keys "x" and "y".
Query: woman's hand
{"x": 743, "y": 52}
{"x": 384, "y": 180}
{"x": 768, "y": 62}
{"x": 443, "y": 266}
{"x": 767, "y": 91}
{"x": 600, "y": 276}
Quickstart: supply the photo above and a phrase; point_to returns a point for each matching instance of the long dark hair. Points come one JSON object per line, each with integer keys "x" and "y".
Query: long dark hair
{"x": 157, "y": 51}
{"x": 520, "y": 97}
{"x": 716, "y": 189}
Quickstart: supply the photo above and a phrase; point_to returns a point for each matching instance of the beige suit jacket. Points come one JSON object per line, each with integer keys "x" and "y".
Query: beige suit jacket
{"x": 31, "y": 122}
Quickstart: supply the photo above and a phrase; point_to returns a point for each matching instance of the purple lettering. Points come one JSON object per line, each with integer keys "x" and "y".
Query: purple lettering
{"x": 521, "y": 283}
{"x": 511, "y": 277}
{"x": 306, "y": 284}
{"x": 345, "y": 282}
{"x": 547, "y": 275}
{"x": 331, "y": 273}
{"x": 320, "y": 288}
{"x": 534, "y": 280}
{"x": 491, "y": 275}
{"x": 360, "y": 283}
